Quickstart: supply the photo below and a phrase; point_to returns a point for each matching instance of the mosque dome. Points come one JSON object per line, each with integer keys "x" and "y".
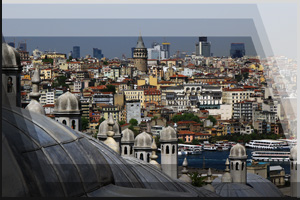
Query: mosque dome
{"x": 127, "y": 136}
{"x": 67, "y": 103}
{"x": 226, "y": 178}
{"x": 10, "y": 57}
{"x": 104, "y": 127}
{"x": 256, "y": 186}
{"x": 168, "y": 134}
{"x": 143, "y": 140}
{"x": 36, "y": 107}
{"x": 293, "y": 154}
{"x": 44, "y": 158}
{"x": 238, "y": 151}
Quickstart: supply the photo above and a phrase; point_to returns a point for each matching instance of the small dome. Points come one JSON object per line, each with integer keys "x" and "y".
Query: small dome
{"x": 104, "y": 127}
{"x": 67, "y": 102}
{"x": 36, "y": 107}
{"x": 127, "y": 136}
{"x": 238, "y": 151}
{"x": 293, "y": 154}
{"x": 10, "y": 57}
{"x": 168, "y": 134}
{"x": 143, "y": 140}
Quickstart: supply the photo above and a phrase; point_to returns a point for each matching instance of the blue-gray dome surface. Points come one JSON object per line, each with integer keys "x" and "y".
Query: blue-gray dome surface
{"x": 42, "y": 157}
{"x": 261, "y": 187}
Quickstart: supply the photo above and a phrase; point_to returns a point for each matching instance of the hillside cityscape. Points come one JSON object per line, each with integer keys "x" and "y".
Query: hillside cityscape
{"x": 202, "y": 120}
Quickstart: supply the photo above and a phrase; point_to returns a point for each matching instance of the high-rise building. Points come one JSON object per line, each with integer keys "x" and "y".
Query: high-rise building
{"x": 97, "y": 53}
{"x": 237, "y": 50}
{"x": 166, "y": 49}
{"x": 76, "y": 51}
{"x": 22, "y": 46}
{"x": 203, "y": 47}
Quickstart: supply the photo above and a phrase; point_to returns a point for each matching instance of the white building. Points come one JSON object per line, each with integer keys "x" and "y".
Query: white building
{"x": 225, "y": 111}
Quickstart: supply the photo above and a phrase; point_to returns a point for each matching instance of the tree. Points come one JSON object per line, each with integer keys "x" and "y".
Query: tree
{"x": 180, "y": 141}
{"x": 122, "y": 122}
{"x": 99, "y": 122}
{"x": 84, "y": 123}
{"x": 197, "y": 180}
{"x": 238, "y": 78}
{"x": 212, "y": 119}
{"x": 155, "y": 119}
{"x": 195, "y": 142}
{"x": 133, "y": 122}
{"x": 186, "y": 117}
{"x": 246, "y": 75}
{"x": 110, "y": 88}
{"x": 105, "y": 62}
{"x": 60, "y": 81}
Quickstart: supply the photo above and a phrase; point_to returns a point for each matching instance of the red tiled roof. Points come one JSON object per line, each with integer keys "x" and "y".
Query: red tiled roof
{"x": 186, "y": 133}
{"x": 179, "y": 76}
{"x": 186, "y": 122}
{"x": 49, "y": 105}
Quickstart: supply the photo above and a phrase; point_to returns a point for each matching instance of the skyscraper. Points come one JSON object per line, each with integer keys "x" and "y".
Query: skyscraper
{"x": 203, "y": 47}
{"x": 76, "y": 51}
{"x": 166, "y": 49}
{"x": 97, "y": 53}
{"x": 237, "y": 50}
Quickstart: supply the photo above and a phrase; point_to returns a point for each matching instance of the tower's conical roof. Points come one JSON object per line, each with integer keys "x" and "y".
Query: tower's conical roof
{"x": 140, "y": 42}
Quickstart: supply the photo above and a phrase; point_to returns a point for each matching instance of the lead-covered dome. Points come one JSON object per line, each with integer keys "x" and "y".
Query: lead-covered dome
{"x": 67, "y": 103}
{"x": 238, "y": 151}
{"x": 127, "y": 136}
{"x": 43, "y": 158}
{"x": 36, "y": 107}
{"x": 10, "y": 57}
{"x": 143, "y": 140}
{"x": 168, "y": 134}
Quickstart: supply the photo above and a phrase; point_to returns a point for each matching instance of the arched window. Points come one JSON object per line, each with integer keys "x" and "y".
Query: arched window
{"x": 141, "y": 156}
{"x": 9, "y": 85}
{"x": 131, "y": 150}
{"x": 162, "y": 148}
{"x": 232, "y": 165}
{"x": 242, "y": 166}
{"x": 173, "y": 149}
{"x": 237, "y": 166}
{"x": 148, "y": 157}
{"x": 292, "y": 165}
{"x": 167, "y": 149}
{"x": 73, "y": 124}
{"x": 64, "y": 122}
{"x": 125, "y": 150}
{"x": 136, "y": 155}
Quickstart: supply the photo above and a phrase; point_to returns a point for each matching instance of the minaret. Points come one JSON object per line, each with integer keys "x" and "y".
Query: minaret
{"x": 238, "y": 169}
{"x": 110, "y": 133}
{"x": 127, "y": 142}
{"x": 226, "y": 178}
{"x": 140, "y": 55}
{"x": 153, "y": 157}
{"x": 11, "y": 70}
{"x": 184, "y": 177}
{"x": 169, "y": 147}
{"x": 142, "y": 146}
{"x": 293, "y": 166}
{"x": 34, "y": 105}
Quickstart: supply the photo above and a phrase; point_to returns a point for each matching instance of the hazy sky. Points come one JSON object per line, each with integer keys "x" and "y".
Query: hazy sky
{"x": 273, "y": 24}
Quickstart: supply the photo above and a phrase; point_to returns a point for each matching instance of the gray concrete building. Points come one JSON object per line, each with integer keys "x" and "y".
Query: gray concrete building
{"x": 133, "y": 109}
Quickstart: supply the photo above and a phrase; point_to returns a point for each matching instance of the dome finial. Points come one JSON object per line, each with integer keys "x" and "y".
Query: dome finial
{"x": 110, "y": 141}
{"x": 35, "y": 94}
{"x": 226, "y": 178}
{"x": 184, "y": 177}
{"x": 153, "y": 157}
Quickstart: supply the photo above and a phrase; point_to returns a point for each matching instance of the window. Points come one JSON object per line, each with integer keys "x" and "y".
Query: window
{"x": 167, "y": 149}
{"x": 148, "y": 157}
{"x": 141, "y": 156}
{"x": 9, "y": 85}
{"x": 173, "y": 149}
{"x": 125, "y": 151}
{"x": 73, "y": 124}
{"x": 237, "y": 166}
{"x": 64, "y": 122}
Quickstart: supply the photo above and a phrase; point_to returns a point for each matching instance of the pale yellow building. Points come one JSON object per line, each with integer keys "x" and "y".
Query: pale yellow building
{"x": 135, "y": 95}
{"x": 46, "y": 74}
{"x": 53, "y": 55}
